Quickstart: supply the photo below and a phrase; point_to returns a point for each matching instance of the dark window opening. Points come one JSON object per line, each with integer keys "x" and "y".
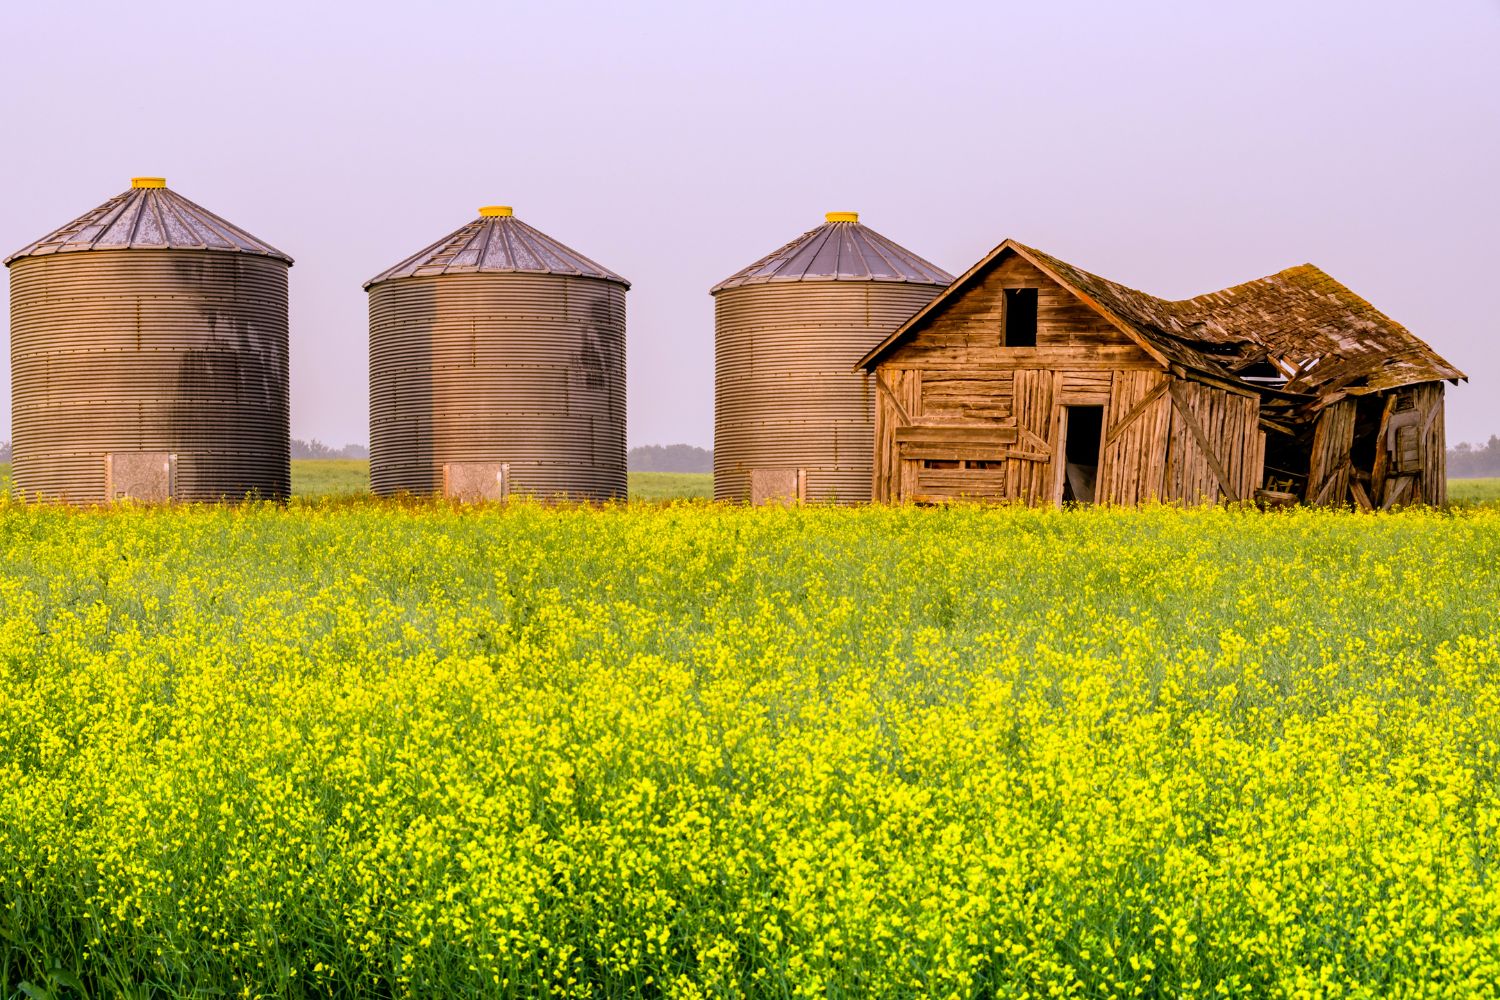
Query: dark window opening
{"x": 1020, "y": 317}
{"x": 1083, "y": 433}
{"x": 941, "y": 463}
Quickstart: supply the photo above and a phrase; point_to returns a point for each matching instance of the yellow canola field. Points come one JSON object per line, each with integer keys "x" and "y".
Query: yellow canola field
{"x": 361, "y": 749}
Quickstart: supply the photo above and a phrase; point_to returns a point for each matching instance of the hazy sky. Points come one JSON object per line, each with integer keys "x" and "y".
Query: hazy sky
{"x": 1176, "y": 147}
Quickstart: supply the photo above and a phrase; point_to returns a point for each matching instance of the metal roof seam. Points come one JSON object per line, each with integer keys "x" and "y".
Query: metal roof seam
{"x": 153, "y": 204}
{"x": 858, "y": 253}
{"x": 486, "y": 245}
{"x": 508, "y": 246}
{"x": 809, "y": 252}
{"x": 877, "y": 248}
{"x": 182, "y": 221}
{"x": 226, "y": 229}
{"x": 132, "y": 220}
{"x": 125, "y": 221}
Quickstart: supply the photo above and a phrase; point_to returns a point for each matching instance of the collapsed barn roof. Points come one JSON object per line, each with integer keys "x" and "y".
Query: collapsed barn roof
{"x": 1323, "y": 339}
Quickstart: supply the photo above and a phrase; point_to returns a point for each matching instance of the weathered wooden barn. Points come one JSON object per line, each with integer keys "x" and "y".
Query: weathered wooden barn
{"x": 1030, "y": 379}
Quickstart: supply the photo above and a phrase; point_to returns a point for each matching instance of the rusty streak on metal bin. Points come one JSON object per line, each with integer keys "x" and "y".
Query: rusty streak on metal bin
{"x": 788, "y": 329}
{"x": 149, "y": 324}
{"x": 498, "y": 344}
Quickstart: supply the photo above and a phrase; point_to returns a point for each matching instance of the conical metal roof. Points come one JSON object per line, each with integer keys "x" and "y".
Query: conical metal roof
{"x": 497, "y": 243}
{"x": 149, "y": 216}
{"x": 839, "y": 250}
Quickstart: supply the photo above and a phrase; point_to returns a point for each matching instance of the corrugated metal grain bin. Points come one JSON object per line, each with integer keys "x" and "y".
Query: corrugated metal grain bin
{"x": 497, "y": 344}
{"x": 788, "y": 329}
{"x": 150, "y": 325}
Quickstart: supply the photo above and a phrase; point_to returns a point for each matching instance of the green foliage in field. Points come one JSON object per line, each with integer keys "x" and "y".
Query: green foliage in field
{"x": 366, "y": 749}
{"x": 321, "y": 477}
{"x": 316, "y": 477}
{"x": 671, "y": 485}
{"x": 1473, "y": 491}
{"x": 347, "y": 477}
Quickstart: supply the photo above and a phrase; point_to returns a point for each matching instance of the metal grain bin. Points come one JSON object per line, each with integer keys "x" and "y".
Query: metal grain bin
{"x": 497, "y": 344}
{"x": 150, "y": 325}
{"x": 787, "y": 331}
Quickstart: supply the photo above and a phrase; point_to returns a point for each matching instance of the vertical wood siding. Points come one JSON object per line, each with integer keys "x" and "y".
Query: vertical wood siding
{"x": 1328, "y": 468}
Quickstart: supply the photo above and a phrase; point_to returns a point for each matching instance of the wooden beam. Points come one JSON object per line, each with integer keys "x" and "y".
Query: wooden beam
{"x": 1199, "y": 375}
{"x": 1360, "y": 496}
{"x": 891, "y": 397}
{"x": 1034, "y": 441}
{"x": 1397, "y": 491}
{"x": 1333, "y": 475}
{"x": 1431, "y": 416}
{"x": 957, "y": 453}
{"x": 1180, "y": 402}
{"x": 1381, "y": 466}
{"x": 948, "y": 361}
{"x": 994, "y": 435}
{"x": 1059, "y": 464}
{"x": 1136, "y": 411}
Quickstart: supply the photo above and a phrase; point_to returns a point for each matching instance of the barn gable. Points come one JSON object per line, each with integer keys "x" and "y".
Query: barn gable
{"x": 968, "y": 328}
{"x": 966, "y": 321}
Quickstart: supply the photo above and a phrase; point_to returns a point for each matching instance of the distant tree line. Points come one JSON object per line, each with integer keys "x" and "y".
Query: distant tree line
{"x": 300, "y": 449}
{"x": 317, "y": 449}
{"x": 1465, "y": 461}
{"x": 1473, "y": 461}
{"x": 670, "y": 458}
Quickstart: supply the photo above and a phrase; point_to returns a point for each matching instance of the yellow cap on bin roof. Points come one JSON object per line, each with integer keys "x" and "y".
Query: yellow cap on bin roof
{"x": 839, "y": 250}
{"x": 148, "y": 182}
{"x": 496, "y": 212}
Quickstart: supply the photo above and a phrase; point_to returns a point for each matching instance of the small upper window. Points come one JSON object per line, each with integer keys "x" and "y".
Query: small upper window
{"x": 1020, "y": 317}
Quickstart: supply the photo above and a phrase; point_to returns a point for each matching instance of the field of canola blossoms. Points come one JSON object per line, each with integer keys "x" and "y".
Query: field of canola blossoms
{"x": 353, "y": 749}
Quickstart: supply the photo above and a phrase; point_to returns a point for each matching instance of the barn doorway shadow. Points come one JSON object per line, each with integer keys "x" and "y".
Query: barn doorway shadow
{"x": 1082, "y": 437}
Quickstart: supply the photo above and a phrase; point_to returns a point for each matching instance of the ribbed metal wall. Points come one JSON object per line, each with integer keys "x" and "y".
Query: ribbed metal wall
{"x": 527, "y": 369}
{"x": 784, "y": 395}
{"x": 179, "y": 351}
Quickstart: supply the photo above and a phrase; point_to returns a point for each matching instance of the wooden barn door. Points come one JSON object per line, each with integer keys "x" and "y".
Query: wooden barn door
{"x": 1136, "y": 424}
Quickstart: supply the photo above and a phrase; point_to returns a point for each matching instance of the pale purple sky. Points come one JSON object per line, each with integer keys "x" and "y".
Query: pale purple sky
{"x": 1176, "y": 147}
